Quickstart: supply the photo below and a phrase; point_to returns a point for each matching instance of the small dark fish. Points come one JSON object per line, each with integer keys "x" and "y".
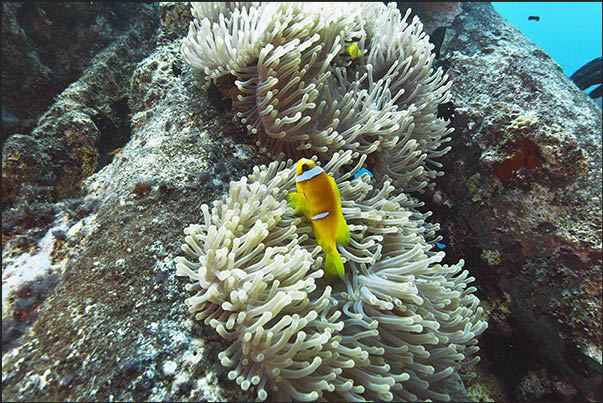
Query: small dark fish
{"x": 589, "y": 74}
{"x": 596, "y": 93}
{"x": 446, "y": 110}
{"x": 437, "y": 38}
{"x": 533, "y": 18}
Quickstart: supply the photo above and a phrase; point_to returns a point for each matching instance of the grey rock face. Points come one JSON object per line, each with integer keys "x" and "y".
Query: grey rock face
{"x": 47, "y": 45}
{"x": 521, "y": 199}
{"x": 112, "y": 325}
{"x": 88, "y": 119}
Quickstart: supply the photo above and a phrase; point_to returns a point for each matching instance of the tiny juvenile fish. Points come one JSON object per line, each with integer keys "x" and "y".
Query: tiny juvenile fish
{"x": 114, "y": 151}
{"x": 318, "y": 198}
{"x": 354, "y": 50}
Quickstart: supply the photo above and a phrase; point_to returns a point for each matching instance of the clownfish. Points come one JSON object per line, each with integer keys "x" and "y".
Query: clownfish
{"x": 318, "y": 198}
{"x": 354, "y": 50}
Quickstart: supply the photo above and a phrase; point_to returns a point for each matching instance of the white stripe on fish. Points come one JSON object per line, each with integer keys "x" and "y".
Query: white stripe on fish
{"x": 307, "y": 175}
{"x": 320, "y": 215}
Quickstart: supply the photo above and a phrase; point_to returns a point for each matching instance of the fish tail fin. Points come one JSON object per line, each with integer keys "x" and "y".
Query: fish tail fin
{"x": 333, "y": 265}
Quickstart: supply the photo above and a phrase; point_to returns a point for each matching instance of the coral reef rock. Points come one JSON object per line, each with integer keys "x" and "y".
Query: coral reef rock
{"x": 88, "y": 119}
{"x": 92, "y": 308}
{"x": 522, "y": 195}
{"x": 46, "y": 46}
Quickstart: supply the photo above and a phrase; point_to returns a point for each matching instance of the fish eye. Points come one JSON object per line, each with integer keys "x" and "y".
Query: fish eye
{"x": 305, "y": 167}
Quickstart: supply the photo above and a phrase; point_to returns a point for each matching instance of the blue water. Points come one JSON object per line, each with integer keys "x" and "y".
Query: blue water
{"x": 569, "y": 32}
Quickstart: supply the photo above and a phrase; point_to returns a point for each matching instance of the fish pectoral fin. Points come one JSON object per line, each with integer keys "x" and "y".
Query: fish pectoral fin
{"x": 342, "y": 237}
{"x": 296, "y": 202}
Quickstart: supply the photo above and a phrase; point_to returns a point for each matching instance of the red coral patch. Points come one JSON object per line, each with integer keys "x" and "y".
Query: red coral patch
{"x": 524, "y": 157}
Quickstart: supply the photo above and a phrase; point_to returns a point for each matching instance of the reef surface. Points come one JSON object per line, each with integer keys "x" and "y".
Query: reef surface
{"x": 92, "y": 308}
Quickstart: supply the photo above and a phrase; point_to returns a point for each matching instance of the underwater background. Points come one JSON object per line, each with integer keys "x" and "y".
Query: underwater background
{"x": 570, "y": 32}
{"x": 110, "y": 148}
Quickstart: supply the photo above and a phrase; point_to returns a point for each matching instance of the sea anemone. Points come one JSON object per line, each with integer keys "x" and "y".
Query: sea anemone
{"x": 295, "y": 86}
{"x": 399, "y": 327}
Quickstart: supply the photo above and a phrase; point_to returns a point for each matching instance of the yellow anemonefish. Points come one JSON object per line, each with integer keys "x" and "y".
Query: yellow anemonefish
{"x": 354, "y": 50}
{"x": 318, "y": 198}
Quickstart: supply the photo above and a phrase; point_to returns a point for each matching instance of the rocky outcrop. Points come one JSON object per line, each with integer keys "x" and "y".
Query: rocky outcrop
{"x": 93, "y": 310}
{"x": 48, "y": 45}
{"x": 88, "y": 119}
{"x": 521, "y": 202}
